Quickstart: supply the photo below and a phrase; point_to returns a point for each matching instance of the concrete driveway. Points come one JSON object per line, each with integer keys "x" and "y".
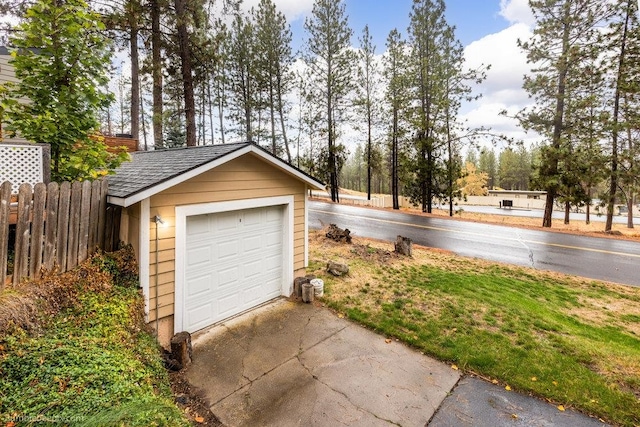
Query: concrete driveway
{"x": 293, "y": 364}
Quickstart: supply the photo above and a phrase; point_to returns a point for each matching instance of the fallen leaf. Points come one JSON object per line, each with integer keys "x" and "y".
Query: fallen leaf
{"x": 560, "y": 408}
{"x": 340, "y": 316}
{"x": 514, "y": 416}
{"x": 198, "y": 419}
{"x": 555, "y": 382}
{"x": 388, "y": 340}
{"x": 507, "y": 387}
{"x": 454, "y": 367}
{"x": 10, "y": 424}
{"x": 494, "y": 381}
{"x": 415, "y": 337}
{"x": 534, "y": 379}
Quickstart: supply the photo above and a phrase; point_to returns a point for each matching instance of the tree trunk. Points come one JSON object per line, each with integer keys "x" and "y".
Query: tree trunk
{"x": 394, "y": 161}
{"x": 368, "y": 149}
{"x": 135, "y": 78}
{"x": 156, "y": 41}
{"x": 187, "y": 73}
{"x": 567, "y": 211}
{"x": 613, "y": 182}
{"x": 282, "y": 119}
{"x": 558, "y": 120}
{"x": 272, "y": 120}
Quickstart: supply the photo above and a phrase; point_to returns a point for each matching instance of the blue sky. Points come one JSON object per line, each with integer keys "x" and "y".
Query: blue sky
{"x": 473, "y": 19}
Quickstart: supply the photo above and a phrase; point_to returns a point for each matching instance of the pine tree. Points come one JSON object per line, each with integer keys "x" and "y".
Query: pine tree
{"x": 274, "y": 58}
{"x": 563, "y": 37}
{"x": 366, "y": 103}
{"x": 426, "y": 31}
{"x": 330, "y": 60}
{"x": 396, "y": 99}
{"x": 624, "y": 43}
{"x": 240, "y": 54}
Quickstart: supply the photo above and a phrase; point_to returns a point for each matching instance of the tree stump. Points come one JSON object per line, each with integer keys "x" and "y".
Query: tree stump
{"x": 337, "y": 269}
{"x": 181, "y": 350}
{"x": 307, "y": 292}
{"x": 403, "y": 246}
{"x": 297, "y": 285}
{"x": 338, "y": 234}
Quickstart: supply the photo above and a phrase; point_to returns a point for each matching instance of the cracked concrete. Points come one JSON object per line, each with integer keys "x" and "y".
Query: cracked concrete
{"x": 291, "y": 364}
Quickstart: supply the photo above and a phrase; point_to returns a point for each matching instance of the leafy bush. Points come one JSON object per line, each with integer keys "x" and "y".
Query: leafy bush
{"x": 93, "y": 363}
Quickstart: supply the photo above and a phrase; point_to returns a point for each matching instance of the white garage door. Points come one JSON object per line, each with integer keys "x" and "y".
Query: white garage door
{"x": 234, "y": 261}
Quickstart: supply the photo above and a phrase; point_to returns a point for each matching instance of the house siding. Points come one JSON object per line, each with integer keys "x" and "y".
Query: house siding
{"x": 7, "y": 74}
{"x": 246, "y": 177}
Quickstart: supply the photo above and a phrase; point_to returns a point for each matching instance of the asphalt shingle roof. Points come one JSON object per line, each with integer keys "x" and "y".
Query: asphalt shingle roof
{"x": 149, "y": 168}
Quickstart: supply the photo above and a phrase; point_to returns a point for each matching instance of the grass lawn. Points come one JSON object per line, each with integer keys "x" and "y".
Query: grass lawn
{"x": 74, "y": 350}
{"x": 572, "y": 341}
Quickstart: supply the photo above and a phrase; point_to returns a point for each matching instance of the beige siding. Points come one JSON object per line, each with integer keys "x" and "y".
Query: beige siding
{"x": 244, "y": 178}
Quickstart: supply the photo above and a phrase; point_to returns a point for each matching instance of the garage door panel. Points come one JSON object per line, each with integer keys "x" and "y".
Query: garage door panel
{"x": 273, "y": 239}
{"x": 228, "y": 276}
{"x": 200, "y": 285}
{"x": 199, "y": 255}
{"x": 227, "y": 249}
{"x": 252, "y": 271}
{"x": 197, "y": 225}
{"x": 225, "y": 222}
{"x": 236, "y": 264}
{"x": 252, "y": 296}
{"x": 253, "y": 217}
{"x": 199, "y": 315}
{"x": 228, "y": 305}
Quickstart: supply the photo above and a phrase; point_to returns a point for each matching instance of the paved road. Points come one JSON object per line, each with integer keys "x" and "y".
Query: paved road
{"x": 591, "y": 257}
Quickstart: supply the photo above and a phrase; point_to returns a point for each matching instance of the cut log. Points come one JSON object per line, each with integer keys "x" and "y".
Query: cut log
{"x": 297, "y": 286}
{"x": 338, "y": 234}
{"x": 181, "y": 350}
{"x": 403, "y": 246}
{"x": 307, "y": 292}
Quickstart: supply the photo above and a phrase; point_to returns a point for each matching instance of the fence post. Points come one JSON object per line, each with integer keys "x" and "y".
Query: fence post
{"x": 51, "y": 226}
{"x": 37, "y": 229}
{"x": 21, "y": 256}
{"x": 85, "y": 217}
{"x": 62, "y": 243}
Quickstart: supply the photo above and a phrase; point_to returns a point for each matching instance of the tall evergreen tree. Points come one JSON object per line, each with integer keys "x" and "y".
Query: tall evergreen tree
{"x": 240, "y": 54}
{"x": 426, "y": 31}
{"x": 365, "y": 103}
{"x": 564, "y": 35}
{"x": 274, "y": 58}
{"x": 624, "y": 43}
{"x": 396, "y": 99}
{"x": 330, "y": 61}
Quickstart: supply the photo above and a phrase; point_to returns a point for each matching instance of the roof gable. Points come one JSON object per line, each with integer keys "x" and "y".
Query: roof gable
{"x": 150, "y": 172}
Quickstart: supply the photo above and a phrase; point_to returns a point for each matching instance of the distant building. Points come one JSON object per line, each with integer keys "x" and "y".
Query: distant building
{"x": 517, "y": 194}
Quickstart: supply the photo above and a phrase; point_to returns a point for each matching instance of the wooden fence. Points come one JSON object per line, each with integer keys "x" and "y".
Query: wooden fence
{"x": 53, "y": 226}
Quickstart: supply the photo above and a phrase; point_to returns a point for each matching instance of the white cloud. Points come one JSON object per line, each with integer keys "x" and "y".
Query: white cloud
{"x": 292, "y": 9}
{"x": 502, "y": 90}
{"x": 516, "y": 11}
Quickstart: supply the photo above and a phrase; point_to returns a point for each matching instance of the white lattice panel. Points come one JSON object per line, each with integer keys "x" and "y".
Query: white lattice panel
{"x": 20, "y": 164}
